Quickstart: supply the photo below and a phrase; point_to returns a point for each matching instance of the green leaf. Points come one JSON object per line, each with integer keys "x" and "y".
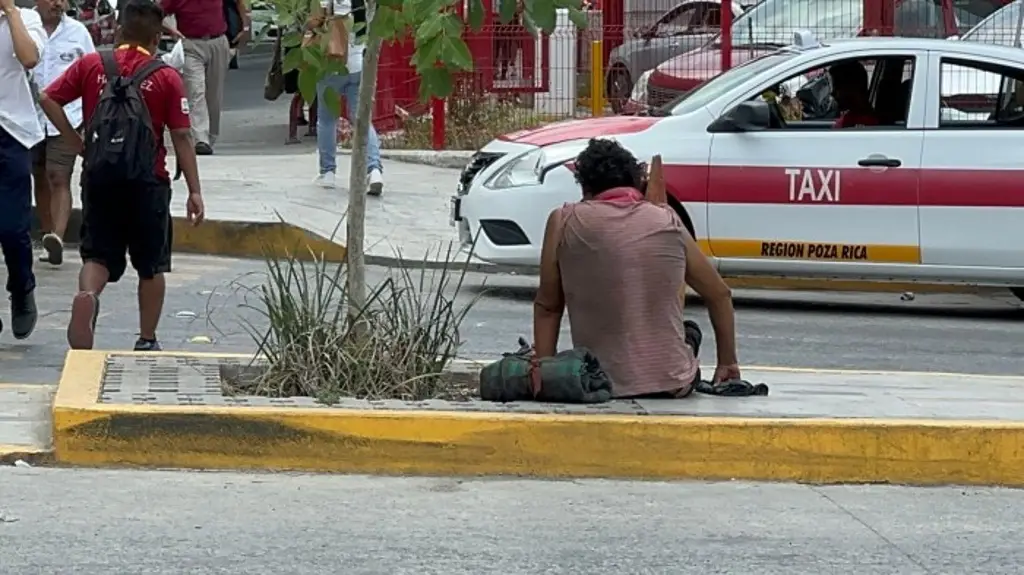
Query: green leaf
{"x": 308, "y": 78}
{"x": 435, "y": 82}
{"x": 543, "y": 14}
{"x": 384, "y": 24}
{"x": 392, "y": 4}
{"x": 456, "y": 54}
{"x": 292, "y": 60}
{"x": 289, "y": 40}
{"x": 424, "y": 9}
{"x": 313, "y": 55}
{"x": 332, "y": 66}
{"x": 427, "y": 53}
{"x": 578, "y": 18}
{"x": 530, "y": 25}
{"x": 430, "y": 28}
{"x": 333, "y": 102}
{"x": 507, "y": 11}
{"x": 476, "y": 14}
{"x": 451, "y": 25}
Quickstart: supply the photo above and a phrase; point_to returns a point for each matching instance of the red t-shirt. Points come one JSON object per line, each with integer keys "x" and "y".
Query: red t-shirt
{"x": 197, "y": 18}
{"x": 851, "y": 120}
{"x": 163, "y": 91}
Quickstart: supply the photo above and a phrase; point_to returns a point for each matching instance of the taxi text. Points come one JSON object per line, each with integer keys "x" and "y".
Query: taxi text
{"x": 800, "y": 250}
{"x": 813, "y": 185}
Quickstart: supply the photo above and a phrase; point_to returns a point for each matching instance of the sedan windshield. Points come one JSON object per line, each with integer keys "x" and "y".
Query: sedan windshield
{"x": 999, "y": 28}
{"x": 721, "y": 84}
{"x": 773, "y": 22}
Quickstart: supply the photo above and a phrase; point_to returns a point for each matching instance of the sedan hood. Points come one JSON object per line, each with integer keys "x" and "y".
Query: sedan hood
{"x": 580, "y": 130}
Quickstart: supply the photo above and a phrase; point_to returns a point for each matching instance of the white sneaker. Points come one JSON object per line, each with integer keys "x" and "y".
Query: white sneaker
{"x": 325, "y": 180}
{"x": 376, "y": 183}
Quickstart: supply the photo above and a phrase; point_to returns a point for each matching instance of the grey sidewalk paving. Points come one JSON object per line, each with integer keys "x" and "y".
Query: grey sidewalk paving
{"x": 25, "y": 423}
{"x": 411, "y": 216}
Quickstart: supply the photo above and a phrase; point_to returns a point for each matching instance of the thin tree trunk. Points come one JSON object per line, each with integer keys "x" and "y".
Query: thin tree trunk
{"x": 356, "y": 218}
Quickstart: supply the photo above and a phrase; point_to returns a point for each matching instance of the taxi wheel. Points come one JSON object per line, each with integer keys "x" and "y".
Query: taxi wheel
{"x": 1019, "y": 292}
{"x": 681, "y": 211}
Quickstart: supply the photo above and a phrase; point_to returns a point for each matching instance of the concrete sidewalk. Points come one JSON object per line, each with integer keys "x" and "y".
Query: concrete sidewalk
{"x": 26, "y": 422}
{"x": 411, "y": 218}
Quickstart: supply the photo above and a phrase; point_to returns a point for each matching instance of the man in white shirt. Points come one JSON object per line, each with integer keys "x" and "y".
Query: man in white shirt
{"x": 22, "y": 39}
{"x": 347, "y": 86}
{"x": 53, "y": 159}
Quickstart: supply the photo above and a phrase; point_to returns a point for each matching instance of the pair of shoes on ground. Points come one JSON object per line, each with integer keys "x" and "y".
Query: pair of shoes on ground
{"x": 23, "y": 315}
{"x": 53, "y": 248}
{"x": 375, "y": 182}
{"x": 85, "y": 308}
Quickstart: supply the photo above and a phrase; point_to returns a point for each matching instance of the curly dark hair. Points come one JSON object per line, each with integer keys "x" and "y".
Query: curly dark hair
{"x": 605, "y": 164}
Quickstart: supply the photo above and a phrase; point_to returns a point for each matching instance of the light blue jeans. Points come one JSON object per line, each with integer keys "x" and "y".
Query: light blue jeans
{"x": 327, "y": 123}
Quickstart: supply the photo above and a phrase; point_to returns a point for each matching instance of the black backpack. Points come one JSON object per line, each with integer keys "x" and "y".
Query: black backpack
{"x": 120, "y": 144}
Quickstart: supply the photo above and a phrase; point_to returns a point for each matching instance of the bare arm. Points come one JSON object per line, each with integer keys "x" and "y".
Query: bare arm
{"x": 185, "y": 153}
{"x": 704, "y": 279}
{"x": 55, "y": 113}
{"x": 549, "y": 304}
{"x": 170, "y": 8}
{"x": 28, "y": 36}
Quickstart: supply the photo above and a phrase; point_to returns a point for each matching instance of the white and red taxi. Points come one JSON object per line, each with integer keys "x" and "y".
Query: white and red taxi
{"x": 924, "y": 196}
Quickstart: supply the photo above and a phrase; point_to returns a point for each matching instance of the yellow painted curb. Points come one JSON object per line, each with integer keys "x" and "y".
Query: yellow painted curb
{"x": 253, "y": 240}
{"x": 924, "y": 452}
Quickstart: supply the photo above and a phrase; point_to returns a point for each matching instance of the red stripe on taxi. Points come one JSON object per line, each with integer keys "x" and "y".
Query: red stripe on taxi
{"x": 849, "y": 186}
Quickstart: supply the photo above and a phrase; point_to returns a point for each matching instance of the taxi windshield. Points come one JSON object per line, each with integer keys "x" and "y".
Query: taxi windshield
{"x": 773, "y": 22}
{"x": 710, "y": 90}
{"x": 999, "y": 28}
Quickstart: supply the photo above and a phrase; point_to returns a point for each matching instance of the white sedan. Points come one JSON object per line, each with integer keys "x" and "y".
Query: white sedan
{"x": 922, "y": 196}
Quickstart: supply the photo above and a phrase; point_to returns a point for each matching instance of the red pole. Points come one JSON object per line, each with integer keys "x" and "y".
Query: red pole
{"x": 438, "y": 126}
{"x": 725, "y": 44}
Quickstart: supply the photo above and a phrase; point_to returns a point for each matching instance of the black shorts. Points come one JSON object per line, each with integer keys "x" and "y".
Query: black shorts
{"x": 135, "y": 221}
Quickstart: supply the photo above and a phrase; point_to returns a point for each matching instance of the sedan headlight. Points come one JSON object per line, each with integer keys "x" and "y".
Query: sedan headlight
{"x": 528, "y": 169}
{"x": 639, "y": 93}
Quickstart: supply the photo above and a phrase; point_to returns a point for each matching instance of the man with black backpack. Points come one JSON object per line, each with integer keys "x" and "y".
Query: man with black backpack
{"x": 128, "y": 98}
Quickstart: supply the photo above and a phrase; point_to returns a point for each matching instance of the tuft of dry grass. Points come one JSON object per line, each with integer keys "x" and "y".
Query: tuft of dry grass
{"x": 408, "y": 333}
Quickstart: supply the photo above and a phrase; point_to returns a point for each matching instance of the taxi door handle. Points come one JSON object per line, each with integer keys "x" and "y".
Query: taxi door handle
{"x": 877, "y": 162}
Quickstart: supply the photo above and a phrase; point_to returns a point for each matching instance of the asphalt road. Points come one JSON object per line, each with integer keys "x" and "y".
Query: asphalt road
{"x": 211, "y": 301}
{"x": 55, "y": 521}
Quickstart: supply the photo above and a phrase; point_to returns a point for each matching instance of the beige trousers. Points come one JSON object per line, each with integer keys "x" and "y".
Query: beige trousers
{"x": 206, "y": 66}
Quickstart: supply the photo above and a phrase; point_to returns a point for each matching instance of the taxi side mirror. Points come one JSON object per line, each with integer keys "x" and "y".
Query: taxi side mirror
{"x": 750, "y": 116}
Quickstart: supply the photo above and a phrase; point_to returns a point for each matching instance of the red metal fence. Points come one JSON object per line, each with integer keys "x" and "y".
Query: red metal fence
{"x": 652, "y": 51}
